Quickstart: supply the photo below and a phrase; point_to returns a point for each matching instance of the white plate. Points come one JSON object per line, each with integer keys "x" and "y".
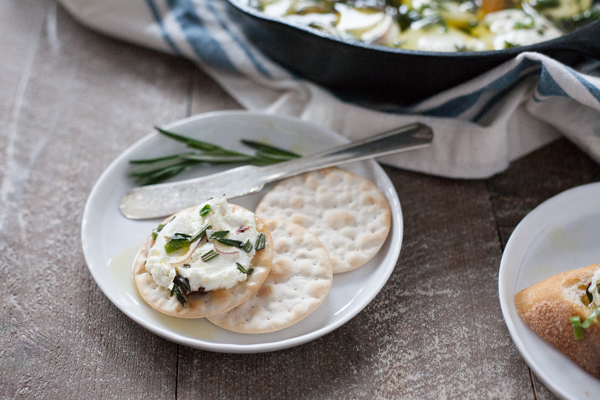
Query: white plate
{"x": 110, "y": 241}
{"x": 561, "y": 234}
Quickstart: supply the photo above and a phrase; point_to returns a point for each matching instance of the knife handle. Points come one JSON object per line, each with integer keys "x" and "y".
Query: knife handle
{"x": 409, "y": 137}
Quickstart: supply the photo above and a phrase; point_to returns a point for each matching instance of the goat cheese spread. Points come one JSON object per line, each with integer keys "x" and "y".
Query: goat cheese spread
{"x": 197, "y": 262}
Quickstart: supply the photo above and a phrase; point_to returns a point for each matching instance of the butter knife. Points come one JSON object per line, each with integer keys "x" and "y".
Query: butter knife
{"x": 167, "y": 198}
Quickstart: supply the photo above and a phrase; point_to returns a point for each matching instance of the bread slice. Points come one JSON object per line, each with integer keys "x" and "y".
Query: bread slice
{"x": 547, "y": 306}
{"x": 213, "y": 302}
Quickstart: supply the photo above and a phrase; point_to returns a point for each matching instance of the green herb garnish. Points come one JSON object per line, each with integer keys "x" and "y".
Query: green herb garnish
{"x": 219, "y": 234}
{"x": 156, "y": 230}
{"x": 248, "y": 246}
{"x": 269, "y": 151}
{"x": 181, "y": 240}
{"x": 154, "y": 170}
{"x": 260, "y": 242}
{"x": 177, "y": 241}
{"x": 181, "y": 288}
{"x": 209, "y": 255}
{"x": 524, "y": 25}
{"x": 230, "y": 242}
{"x": 205, "y": 210}
{"x": 579, "y": 326}
{"x": 202, "y": 232}
{"x": 242, "y": 269}
{"x": 509, "y": 45}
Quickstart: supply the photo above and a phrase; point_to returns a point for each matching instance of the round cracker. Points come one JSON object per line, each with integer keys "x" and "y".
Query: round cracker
{"x": 347, "y": 212}
{"x": 213, "y": 302}
{"x": 299, "y": 281}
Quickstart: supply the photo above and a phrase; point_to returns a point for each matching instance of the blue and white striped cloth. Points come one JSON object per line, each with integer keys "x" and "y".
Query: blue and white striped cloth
{"x": 480, "y": 126}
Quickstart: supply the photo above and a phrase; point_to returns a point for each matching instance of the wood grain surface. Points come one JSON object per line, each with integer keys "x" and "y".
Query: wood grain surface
{"x": 71, "y": 100}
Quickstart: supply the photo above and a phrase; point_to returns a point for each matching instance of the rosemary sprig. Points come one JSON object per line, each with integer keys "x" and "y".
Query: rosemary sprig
{"x": 158, "y": 169}
{"x": 242, "y": 269}
{"x": 268, "y": 149}
{"x": 219, "y": 234}
{"x": 260, "y": 242}
{"x": 230, "y": 242}
{"x": 209, "y": 255}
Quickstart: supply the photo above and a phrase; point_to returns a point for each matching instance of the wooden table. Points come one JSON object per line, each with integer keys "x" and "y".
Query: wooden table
{"x": 71, "y": 100}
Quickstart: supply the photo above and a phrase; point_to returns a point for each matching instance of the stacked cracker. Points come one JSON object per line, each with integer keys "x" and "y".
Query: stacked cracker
{"x": 320, "y": 223}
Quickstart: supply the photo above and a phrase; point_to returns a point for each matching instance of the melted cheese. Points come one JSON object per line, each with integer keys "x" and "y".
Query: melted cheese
{"x": 437, "y": 39}
{"x": 516, "y": 28}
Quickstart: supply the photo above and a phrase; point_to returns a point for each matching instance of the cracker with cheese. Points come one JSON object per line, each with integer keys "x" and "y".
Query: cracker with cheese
{"x": 204, "y": 260}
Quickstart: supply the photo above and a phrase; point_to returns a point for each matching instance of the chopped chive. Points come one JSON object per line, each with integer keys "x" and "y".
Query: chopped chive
{"x": 577, "y": 328}
{"x": 156, "y": 230}
{"x": 205, "y": 210}
{"x": 248, "y": 246}
{"x": 212, "y": 257}
{"x": 260, "y": 242}
{"x": 219, "y": 234}
{"x": 181, "y": 236}
{"x": 176, "y": 242}
{"x": 242, "y": 269}
{"x": 250, "y": 271}
{"x": 199, "y": 234}
{"x": 591, "y": 318}
{"x": 181, "y": 240}
{"x": 209, "y": 255}
{"x": 230, "y": 242}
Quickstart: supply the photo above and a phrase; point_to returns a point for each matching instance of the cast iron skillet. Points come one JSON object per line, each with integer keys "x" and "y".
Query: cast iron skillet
{"x": 378, "y": 74}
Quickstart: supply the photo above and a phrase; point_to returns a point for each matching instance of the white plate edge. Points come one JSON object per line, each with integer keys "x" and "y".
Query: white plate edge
{"x": 397, "y": 221}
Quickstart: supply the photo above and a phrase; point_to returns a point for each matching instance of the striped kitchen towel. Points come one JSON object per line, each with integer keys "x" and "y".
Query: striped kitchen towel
{"x": 480, "y": 126}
